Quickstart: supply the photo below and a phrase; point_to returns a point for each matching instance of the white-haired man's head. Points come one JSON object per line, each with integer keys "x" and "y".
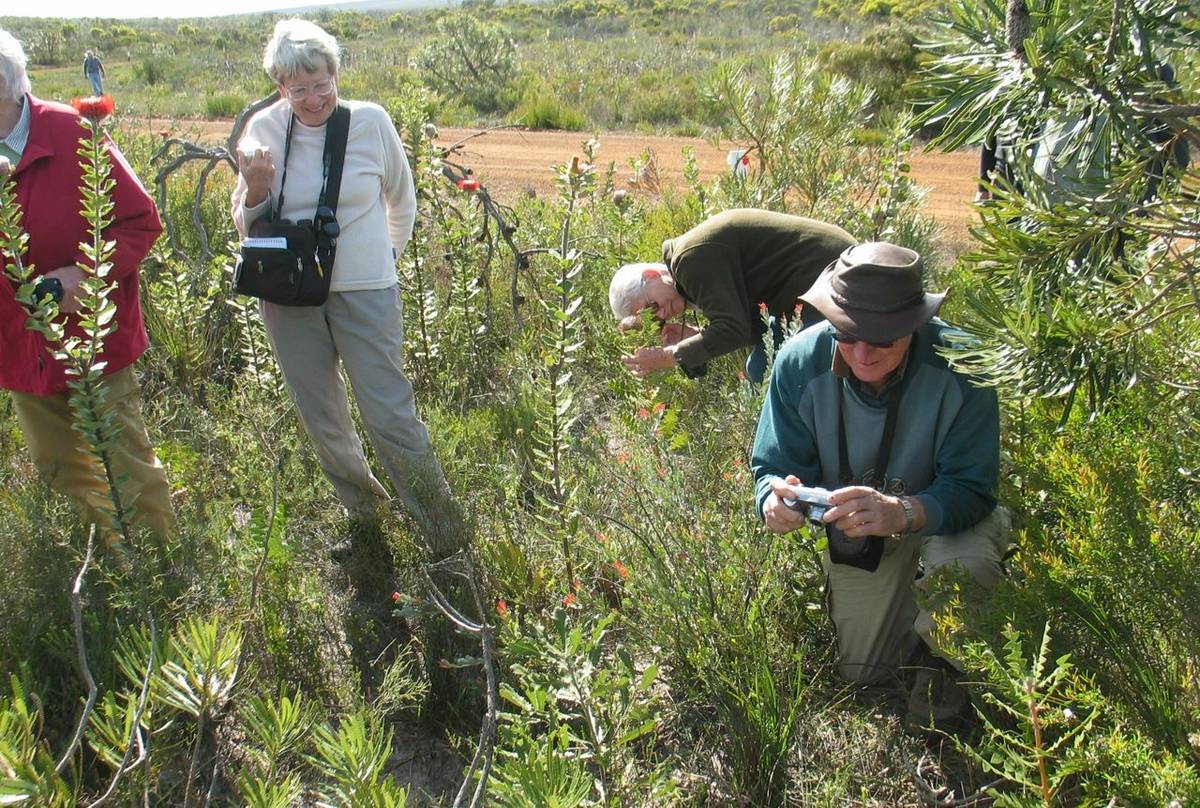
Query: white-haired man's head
{"x": 635, "y": 287}
{"x": 14, "y": 82}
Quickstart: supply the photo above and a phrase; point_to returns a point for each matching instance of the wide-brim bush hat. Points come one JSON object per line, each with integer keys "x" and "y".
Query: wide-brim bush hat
{"x": 874, "y": 292}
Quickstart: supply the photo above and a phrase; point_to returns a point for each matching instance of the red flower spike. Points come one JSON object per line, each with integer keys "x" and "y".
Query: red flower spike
{"x": 659, "y": 407}
{"x": 95, "y": 107}
{"x": 502, "y": 609}
{"x": 568, "y": 600}
{"x": 468, "y": 185}
{"x": 600, "y": 537}
{"x": 643, "y": 413}
{"x": 621, "y": 569}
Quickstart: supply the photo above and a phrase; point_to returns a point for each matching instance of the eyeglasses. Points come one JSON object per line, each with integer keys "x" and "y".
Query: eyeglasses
{"x": 321, "y": 88}
{"x": 846, "y": 339}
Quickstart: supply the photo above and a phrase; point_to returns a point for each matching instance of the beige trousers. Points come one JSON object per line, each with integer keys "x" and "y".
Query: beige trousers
{"x": 364, "y": 332}
{"x": 68, "y": 467}
{"x": 875, "y": 614}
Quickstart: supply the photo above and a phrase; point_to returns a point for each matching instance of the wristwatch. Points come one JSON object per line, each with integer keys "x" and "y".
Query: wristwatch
{"x": 910, "y": 515}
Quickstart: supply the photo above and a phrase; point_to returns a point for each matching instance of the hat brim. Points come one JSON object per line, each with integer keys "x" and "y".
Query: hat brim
{"x": 872, "y": 326}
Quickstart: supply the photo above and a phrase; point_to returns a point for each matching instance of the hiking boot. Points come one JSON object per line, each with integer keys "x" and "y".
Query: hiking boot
{"x": 937, "y": 703}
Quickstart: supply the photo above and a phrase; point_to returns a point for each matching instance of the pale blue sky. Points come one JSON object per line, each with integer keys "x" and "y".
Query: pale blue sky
{"x": 145, "y": 8}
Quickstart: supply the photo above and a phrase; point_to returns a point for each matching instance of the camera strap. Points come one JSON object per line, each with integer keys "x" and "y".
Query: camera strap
{"x": 884, "y": 453}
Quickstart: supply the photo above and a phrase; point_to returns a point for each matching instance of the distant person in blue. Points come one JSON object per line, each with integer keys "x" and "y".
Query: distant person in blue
{"x": 93, "y": 68}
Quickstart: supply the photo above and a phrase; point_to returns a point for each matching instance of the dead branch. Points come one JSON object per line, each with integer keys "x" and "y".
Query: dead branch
{"x": 81, "y": 659}
{"x": 461, "y": 565}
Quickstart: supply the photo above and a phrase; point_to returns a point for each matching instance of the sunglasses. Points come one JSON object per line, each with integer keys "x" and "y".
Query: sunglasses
{"x": 846, "y": 339}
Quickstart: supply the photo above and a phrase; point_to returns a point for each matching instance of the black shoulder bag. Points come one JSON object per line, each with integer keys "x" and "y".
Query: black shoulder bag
{"x": 295, "y": 267}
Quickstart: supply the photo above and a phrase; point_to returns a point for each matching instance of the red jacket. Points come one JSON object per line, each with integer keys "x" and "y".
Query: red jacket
{"x": 47, "y": 187}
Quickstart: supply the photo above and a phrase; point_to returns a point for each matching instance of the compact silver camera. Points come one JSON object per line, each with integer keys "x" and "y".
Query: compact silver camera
{"x": 811, "y": 501}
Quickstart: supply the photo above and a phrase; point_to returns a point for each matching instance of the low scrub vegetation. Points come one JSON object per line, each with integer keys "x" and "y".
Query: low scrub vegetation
{"x": 626, "y": 632}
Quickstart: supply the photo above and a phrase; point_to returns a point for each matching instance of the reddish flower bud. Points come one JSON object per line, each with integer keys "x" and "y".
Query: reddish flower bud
{"x": 95, "y": 107}
{"x": 502, "y": 609}
{"x": 659, "y": 407}
{"x": 396, "y": 597}
{"x": 568, "y": 600}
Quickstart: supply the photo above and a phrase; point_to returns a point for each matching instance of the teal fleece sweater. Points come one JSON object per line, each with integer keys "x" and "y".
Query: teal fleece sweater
{"x": 946, "y": 450}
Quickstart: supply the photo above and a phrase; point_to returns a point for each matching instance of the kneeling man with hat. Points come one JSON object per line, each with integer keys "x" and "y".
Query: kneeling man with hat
{"x": 863, "y": 405}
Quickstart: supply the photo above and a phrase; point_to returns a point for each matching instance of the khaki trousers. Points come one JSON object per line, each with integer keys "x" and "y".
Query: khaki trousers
{"x": 365, "y": 330}
{"x": 875, "y": 614}
{"x": 66, "y": 465}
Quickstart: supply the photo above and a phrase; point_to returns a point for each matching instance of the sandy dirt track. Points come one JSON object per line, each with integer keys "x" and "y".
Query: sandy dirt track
{"x": 512, "y": 162}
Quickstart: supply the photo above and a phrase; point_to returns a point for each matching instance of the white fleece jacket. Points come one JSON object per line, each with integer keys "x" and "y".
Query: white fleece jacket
{"x": 377, "y": 203}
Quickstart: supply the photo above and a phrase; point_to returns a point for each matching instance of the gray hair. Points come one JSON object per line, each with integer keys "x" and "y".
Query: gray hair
{"x": 14, "y": 82}
{"x": 626, "y": 288}
{"x": 299, "y": 45}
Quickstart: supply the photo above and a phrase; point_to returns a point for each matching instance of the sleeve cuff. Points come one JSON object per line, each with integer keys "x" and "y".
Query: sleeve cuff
{"x": 934, "y": 515}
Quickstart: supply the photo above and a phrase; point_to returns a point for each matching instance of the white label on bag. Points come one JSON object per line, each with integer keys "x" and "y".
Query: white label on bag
{"x": 272, "y": 243}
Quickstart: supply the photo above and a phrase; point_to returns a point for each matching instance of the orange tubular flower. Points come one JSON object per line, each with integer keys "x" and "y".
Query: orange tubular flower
{"x": 95, "y": 107}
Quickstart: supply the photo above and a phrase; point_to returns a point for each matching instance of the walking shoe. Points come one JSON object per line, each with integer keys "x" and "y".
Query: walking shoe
{"x": 937, "y": 703}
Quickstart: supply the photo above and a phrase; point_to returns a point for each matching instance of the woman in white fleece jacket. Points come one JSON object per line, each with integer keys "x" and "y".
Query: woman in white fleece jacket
{"x": 361, "y": 322}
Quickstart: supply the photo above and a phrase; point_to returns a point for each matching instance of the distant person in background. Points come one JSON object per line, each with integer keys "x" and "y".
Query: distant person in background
{"x": 93, "y": 68}
{"x": 40, "y": 140}
{"x": 728, "y": 267}
{"x": 359, "y": 328}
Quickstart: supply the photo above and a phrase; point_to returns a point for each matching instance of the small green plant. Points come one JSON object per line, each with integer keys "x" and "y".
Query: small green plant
{"x": 1040, "y": 746}
{"x": 224, "y": 105}
{"x": 576, "y": 708}
{"x": 541, "y": 110}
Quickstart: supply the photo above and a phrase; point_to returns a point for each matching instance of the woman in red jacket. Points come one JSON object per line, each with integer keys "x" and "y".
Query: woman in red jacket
{"x": 41, "y": 139}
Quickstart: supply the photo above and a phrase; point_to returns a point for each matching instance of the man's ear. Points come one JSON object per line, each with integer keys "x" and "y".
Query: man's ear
{"x": 651, "y": 272}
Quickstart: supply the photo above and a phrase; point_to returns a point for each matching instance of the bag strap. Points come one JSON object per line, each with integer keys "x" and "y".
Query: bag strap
{"x": 337, "y": 131}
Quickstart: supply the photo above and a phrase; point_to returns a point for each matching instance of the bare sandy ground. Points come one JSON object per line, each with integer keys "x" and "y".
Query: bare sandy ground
{"x": 511, "y": 162}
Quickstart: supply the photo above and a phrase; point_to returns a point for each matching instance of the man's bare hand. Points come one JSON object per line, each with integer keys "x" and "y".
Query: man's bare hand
{"x": 776, "y": 515}
{"x": 860, "y": 511}
{"x": 644, "y": 361}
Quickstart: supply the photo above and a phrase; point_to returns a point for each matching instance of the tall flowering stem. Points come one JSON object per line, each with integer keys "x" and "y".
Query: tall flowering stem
{"x": 97, "y": 314}
{"x": 557, "y": 411}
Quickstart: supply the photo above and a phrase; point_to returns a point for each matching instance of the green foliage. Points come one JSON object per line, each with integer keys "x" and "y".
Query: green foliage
{"x": 1079, "y": 286}
{"x": 224, "y": 105}
{"x": 27, "y": 772}
{"x": 1053, "y": 711}
{"x": 884, "y": 59}
{"x": 542, "y": 110}
{"x": 575, "y": 709}
{"x": 470, "y": 58}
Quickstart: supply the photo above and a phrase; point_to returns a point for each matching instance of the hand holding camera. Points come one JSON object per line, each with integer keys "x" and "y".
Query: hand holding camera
{"x": 810, "y": 501}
